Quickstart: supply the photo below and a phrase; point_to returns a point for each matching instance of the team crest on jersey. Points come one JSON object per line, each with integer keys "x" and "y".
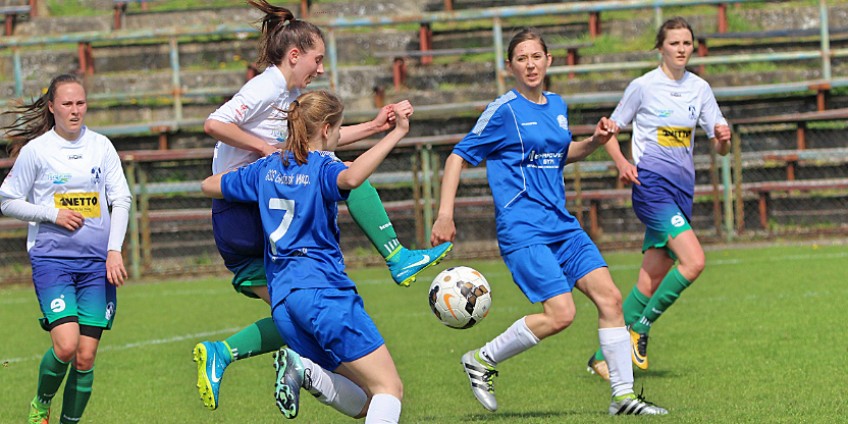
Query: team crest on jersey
{"x": 692, "y": 113}
{"x": 563, "y": 122}
{"x": 95, "y": 175}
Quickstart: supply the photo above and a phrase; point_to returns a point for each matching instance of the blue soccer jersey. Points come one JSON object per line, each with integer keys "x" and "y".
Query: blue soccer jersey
{"x": 298, "y": 208}
{"x": 525, "y": 146}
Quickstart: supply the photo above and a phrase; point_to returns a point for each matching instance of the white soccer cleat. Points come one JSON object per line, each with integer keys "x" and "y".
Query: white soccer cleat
{"x": 481, "y": 376}
{"x": 631, "y": 404}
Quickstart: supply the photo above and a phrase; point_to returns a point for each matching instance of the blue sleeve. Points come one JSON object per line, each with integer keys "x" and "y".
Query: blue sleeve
{"x": 242, "y": 185}
{"x": 486, "y": 136}
{"x": 329, "y": 181}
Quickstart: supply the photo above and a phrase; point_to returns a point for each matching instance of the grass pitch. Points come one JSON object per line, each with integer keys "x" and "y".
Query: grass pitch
{"x": 758, "y": 338}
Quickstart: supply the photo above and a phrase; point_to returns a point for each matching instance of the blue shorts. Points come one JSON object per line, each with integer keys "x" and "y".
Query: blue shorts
{"x": 241, "y": 242}
{"x": 663, "y": 208}
{"x": 328, "y": 325}
{"x": 545, "y": 271}
{"x": 74, "y": 288}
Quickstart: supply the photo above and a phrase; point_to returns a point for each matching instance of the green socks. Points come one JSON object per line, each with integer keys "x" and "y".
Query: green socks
{"x": 256, "y": 339}
{"x": 632, "y": 307}
{"x": 51, "y": 372}
{"x": 77, "y": 393}
{"x": 367, "y": 210}
{"x": 669, "y": 290}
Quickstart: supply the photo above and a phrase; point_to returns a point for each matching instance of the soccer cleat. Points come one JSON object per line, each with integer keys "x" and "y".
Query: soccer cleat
{"x": 405, "y": 264}
{"x": 290, "y": 377}
{"x": 212, "y": 359}
{"x": 39, "y": 413}
{"x": 598, "y": 367}
{"x": 639, "y": 349}
{"x": 481, "y": 376}
{"x": 630, "y": 404}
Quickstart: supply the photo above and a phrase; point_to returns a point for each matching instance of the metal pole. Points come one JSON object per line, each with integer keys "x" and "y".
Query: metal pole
{"x": 500, "y": 68}
{"x": 19, "y": 79}
{"x": 135, "y": 255}
{"x": 825, "y": 40}
{"x": 427, "y": 175}
{"x": 334, "y": 59}
{"x": 727, "y": 183}
{"x": 176, "y": 83}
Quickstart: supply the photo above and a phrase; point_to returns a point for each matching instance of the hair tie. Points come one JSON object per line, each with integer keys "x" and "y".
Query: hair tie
{"x": 286, "y": 22}
{"x": 296, "y": 103}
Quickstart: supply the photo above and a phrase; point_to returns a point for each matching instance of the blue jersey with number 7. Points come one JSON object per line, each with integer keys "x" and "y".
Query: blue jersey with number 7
{"x": 299, "y": 213}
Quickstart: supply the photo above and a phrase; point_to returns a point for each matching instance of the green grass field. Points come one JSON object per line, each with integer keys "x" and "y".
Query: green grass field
{"x": 759, "y": 338}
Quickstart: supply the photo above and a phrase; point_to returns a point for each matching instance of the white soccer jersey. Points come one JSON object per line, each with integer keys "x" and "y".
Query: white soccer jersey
{"x": 83, "y": 175}
{"x": 257, "y": 109}
{"x": 664, "y": 113}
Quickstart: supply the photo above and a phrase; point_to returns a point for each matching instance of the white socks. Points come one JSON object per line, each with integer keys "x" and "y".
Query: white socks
{"x": 516, "y": 339}
{"x": 335, "y": 390}
{"x": 615, "y": 344}
{"x": 384, "y": 409}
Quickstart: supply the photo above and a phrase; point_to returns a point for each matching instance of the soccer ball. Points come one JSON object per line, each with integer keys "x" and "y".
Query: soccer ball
{"x": 460, "y": 297}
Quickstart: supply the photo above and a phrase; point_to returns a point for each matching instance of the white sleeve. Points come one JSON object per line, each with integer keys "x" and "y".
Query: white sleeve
{"x": 118, "y": 228}
{"x": 629, "y": 104}
{"x": 250, "y": 101}
{"x": 710, "y": 113}
{"x": 26, "y": 211}
{"x": 118, "y": 195}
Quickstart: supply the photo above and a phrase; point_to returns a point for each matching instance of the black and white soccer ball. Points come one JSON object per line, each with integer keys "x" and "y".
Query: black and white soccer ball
{"x": 460, "y": 297}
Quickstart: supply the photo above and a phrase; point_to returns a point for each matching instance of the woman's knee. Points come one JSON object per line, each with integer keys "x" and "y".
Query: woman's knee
{"x": 560, "y": 319}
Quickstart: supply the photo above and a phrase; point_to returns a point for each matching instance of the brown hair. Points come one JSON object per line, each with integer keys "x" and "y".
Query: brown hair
{"x": 281, "y": 31}
{"x": 34, "y": 119}
{"x": 673, "y": 23}
{"x": 525, "y": 34}
{"x": 306, "y": 117}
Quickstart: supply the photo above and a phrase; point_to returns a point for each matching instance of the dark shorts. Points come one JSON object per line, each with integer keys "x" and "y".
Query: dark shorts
{"x": 74, "y": 288}
{"x": 241, "y": 242}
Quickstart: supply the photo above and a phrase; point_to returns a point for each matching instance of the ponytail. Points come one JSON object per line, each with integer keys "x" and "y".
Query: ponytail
{"x": 280, "y": 31}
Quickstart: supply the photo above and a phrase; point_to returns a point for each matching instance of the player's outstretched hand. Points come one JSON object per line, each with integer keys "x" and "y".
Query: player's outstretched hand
{"x": 605, "y": 130}
{"x": 387, "y": 116}
{"x": 444, "y": 230}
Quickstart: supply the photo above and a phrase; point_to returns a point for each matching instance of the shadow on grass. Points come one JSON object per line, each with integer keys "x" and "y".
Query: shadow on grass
{"x": 509, "y": 417}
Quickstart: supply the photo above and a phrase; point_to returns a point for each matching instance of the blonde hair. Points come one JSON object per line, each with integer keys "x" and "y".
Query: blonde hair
{"x": 306, "y": 117}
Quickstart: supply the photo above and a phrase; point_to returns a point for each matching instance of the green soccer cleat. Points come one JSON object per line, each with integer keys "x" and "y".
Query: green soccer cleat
{"x": 405, "y": 264}
{"x": 599, "y": 367}
{"x": 39, "y": 413}
{"x": 212, "y": 359}
{"x": 290, "y": 377}
{"x": 630, "y": 404}
{"x": 639, "y": 349}
{"x": 481, "y": 376}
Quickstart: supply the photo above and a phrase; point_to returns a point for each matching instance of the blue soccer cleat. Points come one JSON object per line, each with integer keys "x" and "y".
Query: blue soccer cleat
{"x": 212, "y": 359}
{"x": 290, "y": 374}
{"x": 405, "y": 264}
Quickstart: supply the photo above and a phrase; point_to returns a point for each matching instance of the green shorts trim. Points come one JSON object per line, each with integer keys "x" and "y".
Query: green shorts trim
{"x": 658, "y": 239}
{"x": 251, "y": 274}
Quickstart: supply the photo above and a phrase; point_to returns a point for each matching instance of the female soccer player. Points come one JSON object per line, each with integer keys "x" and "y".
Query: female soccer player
{"x": 664, "y": 106}
{"x": 249, "y": 127}
{"x": 314, "y": 304}
{"x": 524, "y": 138}
{"x": 64, "y": 179}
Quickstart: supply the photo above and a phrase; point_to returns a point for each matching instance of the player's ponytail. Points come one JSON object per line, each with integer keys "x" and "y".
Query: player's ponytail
{"x": 281, "y": 31}
{"x": 307, "y": 117}
{"x": 34, "y": 119}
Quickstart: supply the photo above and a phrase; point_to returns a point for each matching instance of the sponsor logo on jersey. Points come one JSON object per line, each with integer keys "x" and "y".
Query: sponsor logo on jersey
{"x": 74, "y": 157}
{"x": 665, "y": 113}
{"x": 529, "y": 124}
{"x": 57, "y": 178}
{"x": 544, "y": 160}
{"x": 286, "y": 179}
{"x": 88, "y": 204}
{"x": 676, "y": 94}
{"x": 58, "y": 305}
{"x": 674, "y": 136}
{"x": 562, "y": 121}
